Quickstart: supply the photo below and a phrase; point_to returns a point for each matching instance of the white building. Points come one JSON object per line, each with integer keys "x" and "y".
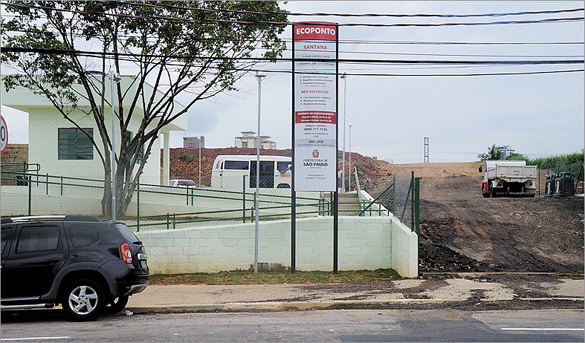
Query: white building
{"x": 63, "y": 150}
{"x": 248, "y": 140}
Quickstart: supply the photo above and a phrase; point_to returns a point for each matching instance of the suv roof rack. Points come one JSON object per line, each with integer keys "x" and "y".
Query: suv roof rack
{"x": 51, "y": 217}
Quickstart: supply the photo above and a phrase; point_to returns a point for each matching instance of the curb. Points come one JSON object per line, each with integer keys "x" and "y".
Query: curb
{"x": 279, "y": 306}
{"x": 303, "y": 306}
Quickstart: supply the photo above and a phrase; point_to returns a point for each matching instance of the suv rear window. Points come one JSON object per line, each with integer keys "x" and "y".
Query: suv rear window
{"x": 83, "y": 235}
{"x": 125, "y": 231}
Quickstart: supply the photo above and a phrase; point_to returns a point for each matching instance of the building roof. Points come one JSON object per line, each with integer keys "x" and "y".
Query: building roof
{"x": 23, "y": 99}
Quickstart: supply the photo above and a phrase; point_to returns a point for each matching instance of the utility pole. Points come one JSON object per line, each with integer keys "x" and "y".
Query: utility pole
{"x": 259, "y": 77}
{"x": 344, "y": 77}
{"x": 426, "y": 157}
{"x": 114, "y": 78}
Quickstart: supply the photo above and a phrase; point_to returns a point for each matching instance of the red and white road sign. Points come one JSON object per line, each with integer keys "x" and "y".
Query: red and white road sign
{"x": 3, "y": 135}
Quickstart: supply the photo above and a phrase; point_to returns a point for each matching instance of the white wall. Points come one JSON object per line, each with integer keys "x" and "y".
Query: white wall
{"x": 364, "y": 243}
{"x": 45, "y": 120}
{"x": 44, "y": 124}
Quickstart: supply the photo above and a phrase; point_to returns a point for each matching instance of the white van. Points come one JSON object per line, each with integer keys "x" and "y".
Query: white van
{"x": 229, "y": 171}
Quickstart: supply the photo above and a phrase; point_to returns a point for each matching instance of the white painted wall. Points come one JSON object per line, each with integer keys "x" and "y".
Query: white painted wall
{"x": 364, "y": 243}
{"x": 45, "y": 120}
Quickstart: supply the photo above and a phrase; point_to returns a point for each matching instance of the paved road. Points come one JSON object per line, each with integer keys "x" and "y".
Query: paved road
{"x": 297, "y": 326}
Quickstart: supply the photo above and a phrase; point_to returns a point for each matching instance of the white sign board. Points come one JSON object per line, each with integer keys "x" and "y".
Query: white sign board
{"x": 315, "y": 107}
{"x": 3, "y": 135}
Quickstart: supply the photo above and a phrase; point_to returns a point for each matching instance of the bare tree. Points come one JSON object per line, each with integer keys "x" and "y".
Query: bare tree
{"x": 178, "y": 46}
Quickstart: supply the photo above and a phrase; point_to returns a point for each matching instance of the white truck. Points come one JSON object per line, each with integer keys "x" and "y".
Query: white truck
{"x": 510, "y": 178}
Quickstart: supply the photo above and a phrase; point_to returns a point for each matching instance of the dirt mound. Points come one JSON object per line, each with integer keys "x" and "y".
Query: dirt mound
{"x": 184, "y": 163}
{"x": 461, "y": 231}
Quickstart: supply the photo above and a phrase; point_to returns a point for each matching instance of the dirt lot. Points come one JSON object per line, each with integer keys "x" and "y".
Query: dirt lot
{"x": 463, "y": 232}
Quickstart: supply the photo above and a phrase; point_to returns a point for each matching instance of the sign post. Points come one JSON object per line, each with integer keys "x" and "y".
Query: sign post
{"x": 315, "y": 109}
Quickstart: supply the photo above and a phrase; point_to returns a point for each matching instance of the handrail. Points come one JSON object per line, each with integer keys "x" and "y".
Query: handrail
{"x": 25, "y": 165}
{"x": 269, "y": 201}
{"x": 357, "y": 185}
{"x": 376, "y": 199}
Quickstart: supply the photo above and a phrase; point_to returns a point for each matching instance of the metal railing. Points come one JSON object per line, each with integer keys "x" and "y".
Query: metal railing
{"x": 155, "y": 206}
{"x": 26, "y": 193}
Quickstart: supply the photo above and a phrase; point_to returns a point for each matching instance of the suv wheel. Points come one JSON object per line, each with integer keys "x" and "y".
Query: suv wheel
{"x": 117, "y": 305}
{"x": 83, "y": 300}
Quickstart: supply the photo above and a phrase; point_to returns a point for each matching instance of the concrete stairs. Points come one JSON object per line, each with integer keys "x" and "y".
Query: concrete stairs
{"x": 349, "y": 204}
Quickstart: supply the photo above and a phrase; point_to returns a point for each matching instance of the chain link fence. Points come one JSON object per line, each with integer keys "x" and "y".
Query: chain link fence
{"x": 400, "y": 198}
{"x": 26, "y": 192}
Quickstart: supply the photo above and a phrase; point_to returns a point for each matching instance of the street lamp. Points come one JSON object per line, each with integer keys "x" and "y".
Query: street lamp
{"x": 344, "y": 77}
{"x": 259, "y": 77}
{"x": 349, "y": 168}
{"x": 114, "y": 78}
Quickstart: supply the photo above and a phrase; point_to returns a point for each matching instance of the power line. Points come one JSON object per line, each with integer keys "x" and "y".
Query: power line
{"x": 368, "y": 14}
{"x": 284, "y": 59}
{"x": 473, "y": 63}
{"x": 547, "y": 20}
{"x": 376, "y": 42}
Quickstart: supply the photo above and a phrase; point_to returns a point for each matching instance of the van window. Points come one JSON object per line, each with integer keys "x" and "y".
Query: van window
{"x": 238, "y": 165}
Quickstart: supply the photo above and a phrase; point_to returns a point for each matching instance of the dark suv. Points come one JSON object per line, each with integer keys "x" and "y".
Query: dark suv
{"x": 85, "y": 264}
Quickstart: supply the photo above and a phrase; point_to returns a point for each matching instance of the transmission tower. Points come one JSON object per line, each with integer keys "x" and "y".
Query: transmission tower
{"x": 426, "y": 150}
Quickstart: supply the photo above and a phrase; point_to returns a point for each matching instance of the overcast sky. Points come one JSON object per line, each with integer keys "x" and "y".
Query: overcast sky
{"x": 537, "y": 115}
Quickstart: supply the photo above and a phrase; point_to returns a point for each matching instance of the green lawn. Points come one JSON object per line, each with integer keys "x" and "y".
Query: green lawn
{"x": 261, "y": 278}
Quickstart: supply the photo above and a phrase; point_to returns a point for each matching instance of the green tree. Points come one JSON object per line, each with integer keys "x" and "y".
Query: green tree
{"x": 517, "y": 157}
{"x": 179, "y": 46}
{"x": 493, "y": 153}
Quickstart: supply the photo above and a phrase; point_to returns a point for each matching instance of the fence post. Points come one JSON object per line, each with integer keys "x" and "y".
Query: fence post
{"x": 47, "y": 184}
{"x": 61, "y": 185}
{"x": 29, "y": 197}
{"x": 412, "y": 189}
{"x": 394, "y": 194}
{"x": 168, "y": 218}
{"x": 253, "y": 208}
{"x": 416, "y": 196}
{"x": 244, "y": 198}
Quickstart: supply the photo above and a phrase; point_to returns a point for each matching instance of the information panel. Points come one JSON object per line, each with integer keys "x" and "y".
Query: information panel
{"x": 315, "y": 107}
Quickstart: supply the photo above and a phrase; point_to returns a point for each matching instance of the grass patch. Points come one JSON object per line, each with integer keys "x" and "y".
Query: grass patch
{"x": 273, "y": 278}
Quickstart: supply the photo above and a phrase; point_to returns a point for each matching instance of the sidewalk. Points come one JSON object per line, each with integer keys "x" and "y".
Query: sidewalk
{"x": 434, "y": 290}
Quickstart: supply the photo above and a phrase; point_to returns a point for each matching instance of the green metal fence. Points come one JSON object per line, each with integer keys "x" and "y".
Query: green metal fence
{"x": 31, "y": 193}
{"x": 25, "y": 191}
{"x": 401, "y": 198}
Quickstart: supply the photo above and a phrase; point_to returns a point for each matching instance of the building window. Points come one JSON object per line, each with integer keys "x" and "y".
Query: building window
{"x": 74, "y": 144}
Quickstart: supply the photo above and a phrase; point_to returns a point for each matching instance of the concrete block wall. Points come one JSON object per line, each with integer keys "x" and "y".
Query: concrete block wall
{"x": 364, "y": 243}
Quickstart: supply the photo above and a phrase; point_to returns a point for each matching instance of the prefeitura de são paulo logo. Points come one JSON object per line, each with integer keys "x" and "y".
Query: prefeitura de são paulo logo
{"x": 315, "y": 153}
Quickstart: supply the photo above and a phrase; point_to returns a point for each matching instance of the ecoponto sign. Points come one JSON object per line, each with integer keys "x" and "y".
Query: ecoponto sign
{"x": 316, "y": 31}
{"x": 315, "y": 107}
